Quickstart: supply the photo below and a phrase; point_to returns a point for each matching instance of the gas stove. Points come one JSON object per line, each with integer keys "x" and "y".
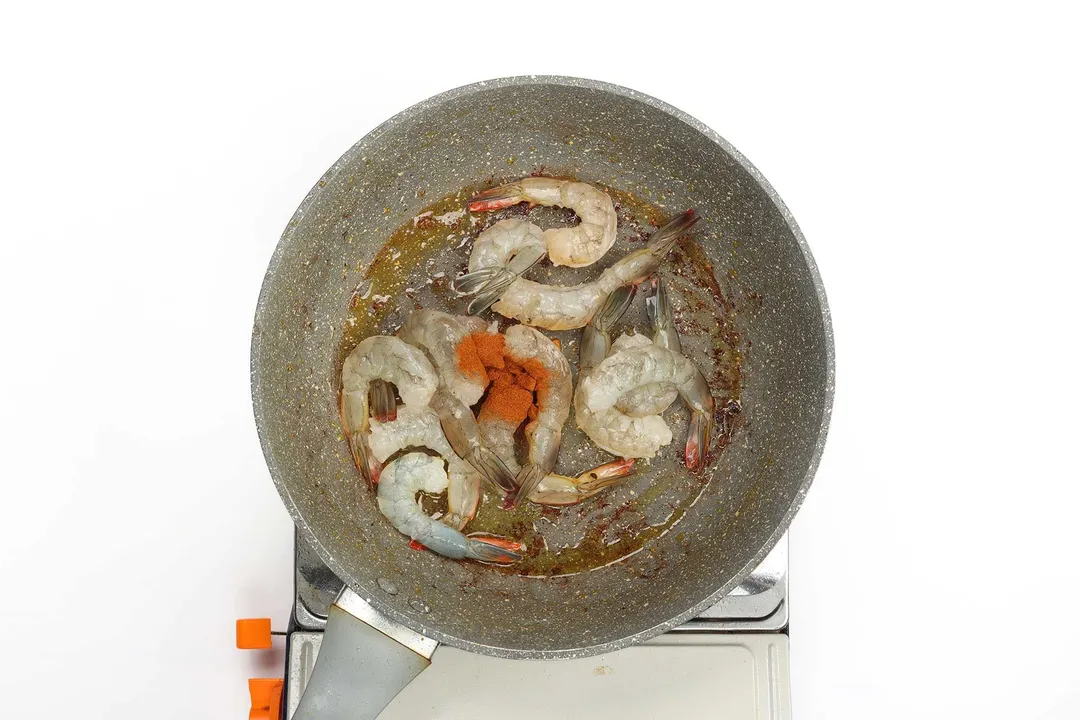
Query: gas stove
{"x": 730, "y": 662}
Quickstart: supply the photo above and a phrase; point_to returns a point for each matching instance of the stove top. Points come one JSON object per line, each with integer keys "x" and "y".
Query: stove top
{"x": 730, "y": 661}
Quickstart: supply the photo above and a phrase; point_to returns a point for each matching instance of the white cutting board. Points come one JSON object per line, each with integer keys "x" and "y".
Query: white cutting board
{"x": 734, "y": 677}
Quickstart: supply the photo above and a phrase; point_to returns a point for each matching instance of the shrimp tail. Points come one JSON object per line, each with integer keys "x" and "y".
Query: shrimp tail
{"x": 663, "y": 239}
{"x": 658, "y": 307}
{"x": 561, "y": 491}
{"x": 697, "y": 440}
{"x": 471, "y": 283}
{"x": 491, "y": 291}
{"x": 527, "y": 479}
{"x": 595, "y": 341}
{"x": 369, "y": 467}
{"x": 491, "y": 549}
{"x": 463, "y": 434}
{"x": 496, "y": 198}
{"x": 382, "y": 401}
{"x": 604, "y": 476}
{"x": 492, "y": 468}
{"x": 490, "y": 286}
{"x": 614, "y": 307}
{"x": 365, "y": 462}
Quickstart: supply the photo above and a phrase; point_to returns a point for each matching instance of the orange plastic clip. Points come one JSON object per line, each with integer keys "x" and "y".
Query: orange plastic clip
{"x": 265, "y": 698}
{"x": 253, "y": 634}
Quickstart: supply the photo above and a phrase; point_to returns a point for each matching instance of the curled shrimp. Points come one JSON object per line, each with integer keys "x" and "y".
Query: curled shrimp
{"x": 636, "y": 367}
{"x": 439, "y": 334}
{"x": 577, "y": 246}
{"x": 642, "y": 437}
{"x": 555, "y": 307}
{"x": 500, "y": 255}
{"x": 418, "y": 427}
{"x": 417, "y": 472}
{"x": 389, "y": 360}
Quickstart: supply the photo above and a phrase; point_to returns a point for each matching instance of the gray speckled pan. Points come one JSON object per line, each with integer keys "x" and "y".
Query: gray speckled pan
{"x": 628, "y": 141}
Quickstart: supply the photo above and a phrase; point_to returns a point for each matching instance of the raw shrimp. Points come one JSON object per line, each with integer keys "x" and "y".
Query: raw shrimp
{"x": 642, "y": 437}
{"x": 419, "y": 427}
{"x": 596, "y": 345}
{"x": 639, "y": 375}
{"x": 532, "y": 355}
{"x": 577, "y": 246}
{"x": 387, "y": 359}
{"x": 555, "y": 307}
{"x": 525, "y": 345}
{"x": 417, "y": 472}
{"x": 651, "y": 399}
{"x": 654, "y": 398}
{"x": 439, "y": 334}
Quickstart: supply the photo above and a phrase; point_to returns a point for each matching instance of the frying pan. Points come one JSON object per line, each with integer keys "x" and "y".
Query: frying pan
{"x": 754, "y": 292}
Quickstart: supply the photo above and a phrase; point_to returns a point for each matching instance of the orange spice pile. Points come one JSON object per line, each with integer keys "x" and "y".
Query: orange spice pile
{"x": 479, "y": 351}
{"x": 512, "y": 384}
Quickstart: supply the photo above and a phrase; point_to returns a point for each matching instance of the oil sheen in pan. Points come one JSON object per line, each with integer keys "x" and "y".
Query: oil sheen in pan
{"x": 414, "y": 270}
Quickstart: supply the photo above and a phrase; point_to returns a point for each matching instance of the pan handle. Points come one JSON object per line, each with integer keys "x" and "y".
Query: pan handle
{"x": 364, "y": 662}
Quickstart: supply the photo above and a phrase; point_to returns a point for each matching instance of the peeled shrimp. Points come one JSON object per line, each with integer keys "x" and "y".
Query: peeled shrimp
{"x": 416, "y": 472}
{"x": 553, "y": 397}
{"x": 555, "y": 307}
{"x": 654, "y": 398}
{"x": 380, "y": 358}
{"x": 499, "y": 256}
{"x": 439, "y": 334}
{"x": 651, "y": 399}
{"x": 577, "y": 246}
{"x": 642, "y": 437}
{"x": 419, "y": 427}
{"x": 639, "y": 375}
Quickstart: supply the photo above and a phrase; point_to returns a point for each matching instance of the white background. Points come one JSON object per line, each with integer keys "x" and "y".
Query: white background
{"x": 152, "y": 156}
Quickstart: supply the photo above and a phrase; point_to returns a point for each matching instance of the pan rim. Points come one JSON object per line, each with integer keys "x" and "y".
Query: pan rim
{"x": 640, "y": 636}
